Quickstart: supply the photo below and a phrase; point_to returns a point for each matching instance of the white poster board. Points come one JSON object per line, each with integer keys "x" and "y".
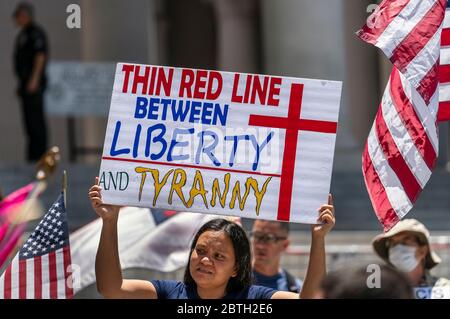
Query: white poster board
{"x": 247, "y": 145}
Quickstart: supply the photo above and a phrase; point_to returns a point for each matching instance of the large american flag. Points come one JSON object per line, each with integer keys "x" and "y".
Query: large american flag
{"x": 444, "y": 71}
{"x": 40, "y": 269}
{"x": 402, "y": 147}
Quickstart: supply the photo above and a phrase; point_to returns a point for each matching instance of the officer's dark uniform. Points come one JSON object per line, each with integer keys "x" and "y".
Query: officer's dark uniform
{"x": 31, "y": 41}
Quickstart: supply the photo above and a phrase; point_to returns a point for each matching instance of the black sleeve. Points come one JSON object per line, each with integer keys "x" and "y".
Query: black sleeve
{"x": 39, "y": 42}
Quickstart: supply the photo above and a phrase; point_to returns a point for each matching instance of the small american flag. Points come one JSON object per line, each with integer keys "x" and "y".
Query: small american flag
{"x": 40, "y": 269}
{"x": 402, "y": 147}
{"x": 444, "y": 70}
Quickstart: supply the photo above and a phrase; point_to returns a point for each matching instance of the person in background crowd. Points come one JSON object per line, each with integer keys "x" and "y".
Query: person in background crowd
{"x": 270, "y": 239}
{"x": 407, "y": 247}
{"x": 30, "y": 59}
{"x": 357, "y": 283}
{"x": 219, "y": 264}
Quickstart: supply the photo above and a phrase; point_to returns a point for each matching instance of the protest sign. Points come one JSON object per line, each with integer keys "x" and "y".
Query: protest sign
{"x": 225, "y": 143}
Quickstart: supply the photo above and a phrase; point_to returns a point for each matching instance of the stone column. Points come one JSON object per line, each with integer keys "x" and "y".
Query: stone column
{"x": 363, "y": 80}
{"x": 237, "y": 35}
{"x": 116, "y": 31}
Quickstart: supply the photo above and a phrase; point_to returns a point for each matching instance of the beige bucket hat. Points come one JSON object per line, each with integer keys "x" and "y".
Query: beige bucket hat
{"x": 413, "y": 226}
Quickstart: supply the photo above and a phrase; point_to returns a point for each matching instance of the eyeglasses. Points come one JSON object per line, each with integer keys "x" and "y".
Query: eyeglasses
{"x": 265, "y": 238}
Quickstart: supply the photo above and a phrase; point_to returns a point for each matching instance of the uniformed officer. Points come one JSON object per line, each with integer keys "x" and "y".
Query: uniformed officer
{"x": 30, "y": 57}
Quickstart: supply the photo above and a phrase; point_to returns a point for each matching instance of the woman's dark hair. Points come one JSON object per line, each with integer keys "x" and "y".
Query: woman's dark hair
{"x": 242, "y": 254}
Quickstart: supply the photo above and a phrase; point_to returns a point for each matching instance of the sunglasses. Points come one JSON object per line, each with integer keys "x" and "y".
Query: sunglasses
{"x": 266, "y": 238}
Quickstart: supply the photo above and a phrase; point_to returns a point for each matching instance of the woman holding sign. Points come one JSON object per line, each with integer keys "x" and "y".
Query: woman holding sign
{"x": 219, "y": 263}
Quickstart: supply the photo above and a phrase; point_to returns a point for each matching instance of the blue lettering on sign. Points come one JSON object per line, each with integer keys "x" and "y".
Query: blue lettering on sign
{"x": 195, "y": 110}
{"x": 180, "y": 110}
{"x": 153, "y": 108}
{"x": 157, "y": 144}
{"x": 207, "y": 113}
{"x": 174, "y": 143}
{"x": 178, "y": 113}
{"x": 165, "y": 103}
{"x": 136, "y": 140}
{"x": 259, "y": 148}
{"x": 221, "y": 115}
{"x": 113, "y": 151}
{"x": 235, "y": 139}
{"x": 208, "y": 150}
{"x": 159, "y": 138}
{"x": 141, "y": 108}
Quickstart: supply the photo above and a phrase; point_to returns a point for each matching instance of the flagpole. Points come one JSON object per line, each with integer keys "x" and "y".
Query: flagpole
{"x": 64, "y": 187}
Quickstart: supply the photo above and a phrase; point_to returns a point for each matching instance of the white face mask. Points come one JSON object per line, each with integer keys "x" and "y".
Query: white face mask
{"x": 403, "y": 257}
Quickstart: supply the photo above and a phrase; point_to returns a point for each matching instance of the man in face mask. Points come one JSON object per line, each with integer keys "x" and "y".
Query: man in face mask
{"x": 406, "y": 246}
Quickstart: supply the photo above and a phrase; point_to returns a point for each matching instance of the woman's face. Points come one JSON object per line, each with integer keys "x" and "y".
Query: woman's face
{"x": 213, "y": 261}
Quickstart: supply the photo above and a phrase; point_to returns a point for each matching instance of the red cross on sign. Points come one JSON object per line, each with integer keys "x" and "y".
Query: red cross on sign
{"x": 293, "y": 124}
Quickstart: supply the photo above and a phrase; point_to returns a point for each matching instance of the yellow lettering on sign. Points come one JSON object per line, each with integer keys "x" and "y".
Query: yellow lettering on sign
{"x": 198, "y": 179}
{"x": 177, "y": 186}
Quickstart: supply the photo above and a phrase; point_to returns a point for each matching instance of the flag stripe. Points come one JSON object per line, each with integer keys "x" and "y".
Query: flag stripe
{"x": 444, "y": 111}
{"x": 425, "y": 113}
{"x": 444, "y": 73}
{"x": 67, "y": 264}
{"x": 445, "y": 55}
{"x": 417, "y": 38}
{"x": 37, "y": 277}
{"x": 392, "y": 185}
{"x": 433, "y": 107}
{"x": 403, "y": 24}
{"x": 61, "y": 287}
{"x": 410, "y": 120}
{"x": 45, "y": 277}
{"x": 15, "y": 278}
{"x": 429, "y": 84}
{"x": 7, "y": 283}
{"x": 395, "y": 159}
{"x": 403, "y": 142}
{"x": 444, "y": 92}
{"x": 22, "y": 279}
{"x": 446, "y": 23}
{"x": 385, "y": 213}
{"x": 386, "y": 14}
{"x": 30, "y": 278}
{"x": 445, "y": 38}
{"x": 52, "y": 275}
